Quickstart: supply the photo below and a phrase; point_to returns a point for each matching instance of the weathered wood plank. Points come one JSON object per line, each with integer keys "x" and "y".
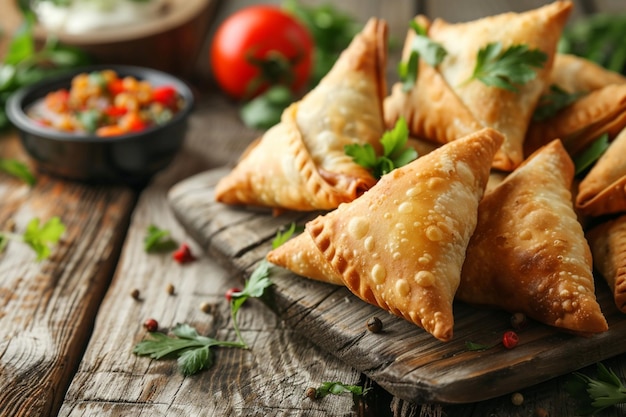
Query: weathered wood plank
{"x": 47, "y": 309}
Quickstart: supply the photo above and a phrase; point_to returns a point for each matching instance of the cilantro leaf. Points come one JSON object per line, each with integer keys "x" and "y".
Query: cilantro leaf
{"x": 421, "y": 46}
{"x": 41, "y": 238}
{"x": 584, "y": 160}
{"x": 18, "y": 169}
{"x": 158, "y": 240}
{"x": 595, "y": 395}
{"x": 506, "y": 68}
{"x": 395, "y": 151}
{"x": 553, "y": 101}
{"x": 338, "y": 388}
{"x": 282, "y": 237}
{"x": 193, "y": 351}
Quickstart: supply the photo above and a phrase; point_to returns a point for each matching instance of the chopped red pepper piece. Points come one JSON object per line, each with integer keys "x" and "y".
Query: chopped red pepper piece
{"x": 165, "y": 95}
{"x": 115, "y": 87}
{"x": 115, "y": 111}
{"x": 183, "y": 254}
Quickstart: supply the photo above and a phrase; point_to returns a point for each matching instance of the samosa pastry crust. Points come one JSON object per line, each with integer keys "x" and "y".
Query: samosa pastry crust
{"x": 301, "y": 164}
{"x": 575, "y": 74}
{"x": 507, "y": 111}
{"x": 528, "y": 253}
{"x": 608, "y": 246}
{"x": 400, "y": 246}
{"x": 603, "y": 189}
{"x": 577, "y": 125}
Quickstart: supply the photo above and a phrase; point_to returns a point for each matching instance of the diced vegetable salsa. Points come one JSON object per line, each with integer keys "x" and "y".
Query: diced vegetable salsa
{"x": 104, "y": 104}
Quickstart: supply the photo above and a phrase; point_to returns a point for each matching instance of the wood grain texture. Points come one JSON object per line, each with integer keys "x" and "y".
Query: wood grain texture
{"x": 47, "y": 308}
{"x": 405, "y": 360}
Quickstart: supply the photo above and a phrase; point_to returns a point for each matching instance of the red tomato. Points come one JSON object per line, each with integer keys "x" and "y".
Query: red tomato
{"x": 260, "y": 46}
{"x": 165, "y": 95}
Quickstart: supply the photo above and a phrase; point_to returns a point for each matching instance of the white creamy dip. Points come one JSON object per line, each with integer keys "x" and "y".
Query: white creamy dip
{"x": 84, "y": 16}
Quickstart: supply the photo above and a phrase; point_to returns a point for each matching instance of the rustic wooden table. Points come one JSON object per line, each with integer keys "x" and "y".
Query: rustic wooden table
{"x": 68, "y": 324}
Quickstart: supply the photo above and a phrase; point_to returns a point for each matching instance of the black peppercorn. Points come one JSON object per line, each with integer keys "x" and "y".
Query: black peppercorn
{"x": 374, "y": 325}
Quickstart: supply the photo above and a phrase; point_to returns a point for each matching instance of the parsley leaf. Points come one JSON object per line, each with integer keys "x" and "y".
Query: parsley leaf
{"x": 282, "y": 237}
{"x": 39, "y": 238}
{"x": 595, "y": 395}
{"x": 396, "y": 153}
{"x": 421, "y": 46}
{"x": 591, "y": 154}
{"x": 158, "y": 240}
{"x": 553, "y": 101}
{"x": 338, "y": 388}
{"x": 18, "y": 169}
{"x": 507, "y": 68}
{"x": 191, "y": 349}
{"x": 194, "y": 351}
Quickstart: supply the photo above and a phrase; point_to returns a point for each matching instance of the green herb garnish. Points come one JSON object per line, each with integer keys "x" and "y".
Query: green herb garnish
{"x": 158, "y": 240}
{"x": 338, "y": 388}
{"x": 40, "y": 238}
{"x": 556, "y": 99}
{"x": 595, "y": 395}
{"x": 591, "y": 154}
{"x": 507, "y": 68}
{"x": 194, "y": 351}
{"x": 265, "y": 110}
{"x": 18, "y": 169}
{"x": 23, "y": 64}
{"x": 395, "y": 151}
{"x": 421, "y": 47}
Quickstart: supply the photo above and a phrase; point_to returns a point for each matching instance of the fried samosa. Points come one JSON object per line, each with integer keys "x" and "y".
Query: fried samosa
{"x": 447, "y": 102}
{"x": 603, "y": 189}
{"x": 300, "y": 163}
{"x": 400, "y": 246}
{"x": 528, "y": 253}
{"x": 608, "y": 246}
{"x": 577, "y": 125}
{"x": 575, "y": 74}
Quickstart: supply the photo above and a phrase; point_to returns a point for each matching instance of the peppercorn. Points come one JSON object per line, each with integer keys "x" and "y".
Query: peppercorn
{"x": 517, "y": 398}
{"x": 205, "y": 307}
{"x": 135, "y": 294}
{"x": 151, "y": 325}
{"x": 311, "y": 393}
{"x": 374, "y": 325}
{"x": 519, "y": 321}
{"x": 170, "y": 289}
{"x": 510, "y": 339}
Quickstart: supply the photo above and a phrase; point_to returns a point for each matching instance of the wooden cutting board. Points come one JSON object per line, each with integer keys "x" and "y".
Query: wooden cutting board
{"x": 403, "y": 359}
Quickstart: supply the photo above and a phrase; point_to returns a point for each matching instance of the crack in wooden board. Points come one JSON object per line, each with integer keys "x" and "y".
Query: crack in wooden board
{"x": 403, "y": 359}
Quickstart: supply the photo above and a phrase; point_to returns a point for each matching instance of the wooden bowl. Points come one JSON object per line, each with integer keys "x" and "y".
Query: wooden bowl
{"x": 170, "y": 43}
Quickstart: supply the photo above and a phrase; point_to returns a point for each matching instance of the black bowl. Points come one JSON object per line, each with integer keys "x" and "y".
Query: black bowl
{"x": 132, "y": 158}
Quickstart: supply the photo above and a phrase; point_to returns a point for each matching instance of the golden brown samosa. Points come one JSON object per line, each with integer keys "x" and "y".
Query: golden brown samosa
{"x": 608, "y": 246}
{"x": 507, "y": 111}
{"x": 528, "y": 253}
{"x": 603, "y": 189}
{"x": 300, "y": 163}
{"x": 579, "y": 124}
{"x": 400, "y": 246}
{"x": 576, "y": 74}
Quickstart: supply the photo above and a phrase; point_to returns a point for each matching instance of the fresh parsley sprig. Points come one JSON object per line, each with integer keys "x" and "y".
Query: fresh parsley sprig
{"x": 595, "y": 395}
{"x": 395, "y": 151}
{"x": 158, "y": 240}
{"x": 507, "y": 68}
{"x": 193, "y": 351}
{"x": 421, "y": 47}
{"x": 40, "y": 237}
{"x": 18, "y": 169}
{"x": 590, "y": 155}
{"x": 554, "y": 100}
{"x": 339, "y": 388}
